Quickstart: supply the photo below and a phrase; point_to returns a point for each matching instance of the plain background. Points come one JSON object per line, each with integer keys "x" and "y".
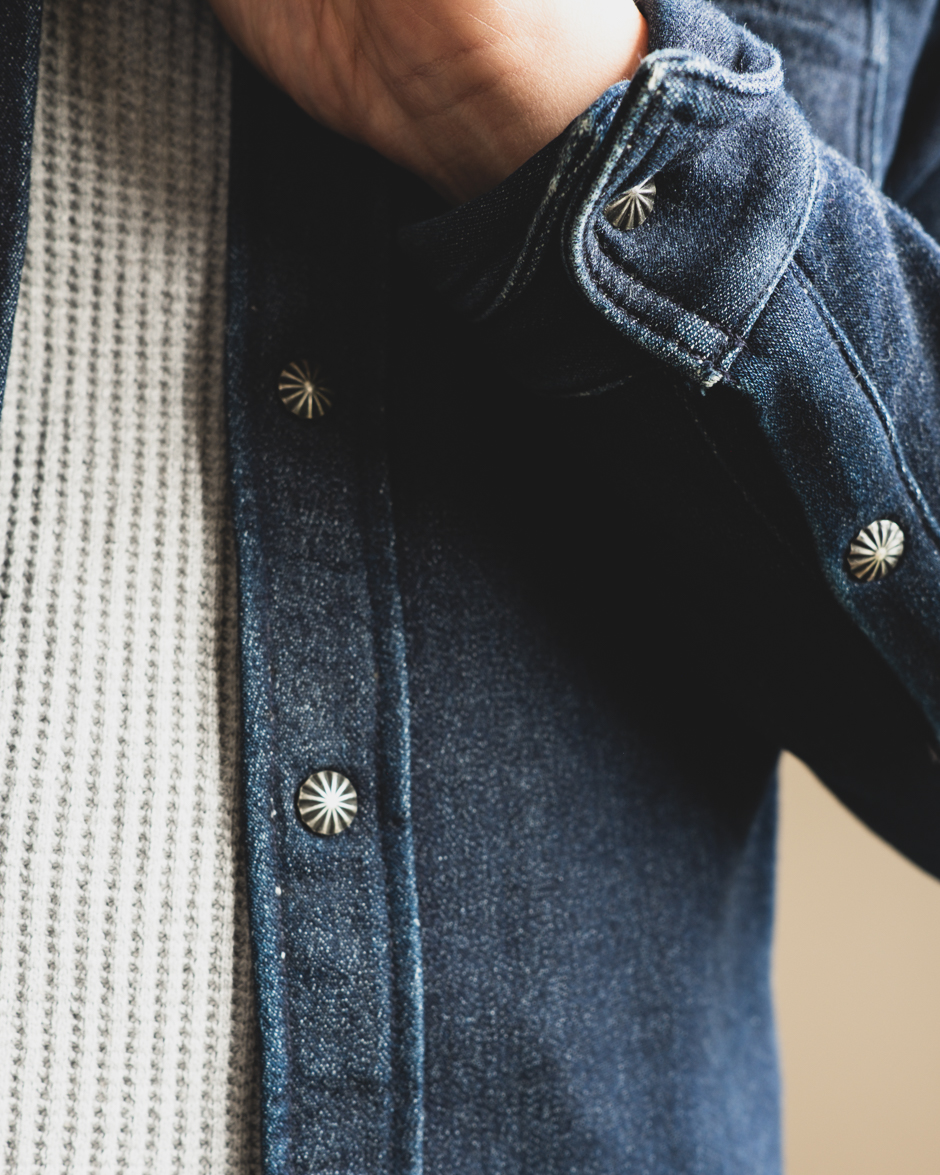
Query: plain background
{"x": 857, "y": 980}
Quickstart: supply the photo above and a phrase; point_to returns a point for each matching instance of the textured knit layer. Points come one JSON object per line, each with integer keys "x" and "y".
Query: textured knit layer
{"x": 127, "y": 1037}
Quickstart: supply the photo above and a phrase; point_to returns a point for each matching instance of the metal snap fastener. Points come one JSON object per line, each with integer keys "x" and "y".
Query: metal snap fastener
{"x": 876, "y": 550}
{"x": 304, "y": 393}
{"x": 632, "y": 208}
{"x": 327, "y": 803}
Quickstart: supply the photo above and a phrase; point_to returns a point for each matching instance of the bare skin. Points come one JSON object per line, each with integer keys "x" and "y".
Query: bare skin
{"x": 461, "y": 92}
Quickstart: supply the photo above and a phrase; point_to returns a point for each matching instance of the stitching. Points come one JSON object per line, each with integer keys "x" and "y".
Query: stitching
{"x": 646, "y": 110}
{"x": 247, "y": 503}
{"x": 781, "y": 538}
{"x": 798, "y": 18}
{"x": 761, "y": 301}
{"x": 606, "y": 248}
{"x": 577, "y": 226}
{"x": 866, "y": 385}
{"x": 658, "y": 92}
{"x": 647, "y": 322}
{"x": 273, "y": 802}
{"x": 873, "y": 97}
{"x": 392, "y": 728}
{"x": 563, "y": 179}
{"x": 749, "y": 85}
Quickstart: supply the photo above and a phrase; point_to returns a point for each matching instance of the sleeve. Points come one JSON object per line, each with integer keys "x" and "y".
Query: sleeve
{"x": 693, "y": 217}
{"x": 913, "y": 178}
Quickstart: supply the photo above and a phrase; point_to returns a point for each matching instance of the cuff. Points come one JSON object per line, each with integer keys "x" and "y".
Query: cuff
{"x": 707, "y": 122}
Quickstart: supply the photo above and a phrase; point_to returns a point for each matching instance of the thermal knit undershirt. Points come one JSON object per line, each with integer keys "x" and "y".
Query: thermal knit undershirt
{"x": 127, "y": 1028}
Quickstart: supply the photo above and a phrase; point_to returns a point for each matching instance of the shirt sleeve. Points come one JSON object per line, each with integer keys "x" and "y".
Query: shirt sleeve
{"x": 693, "y": 215}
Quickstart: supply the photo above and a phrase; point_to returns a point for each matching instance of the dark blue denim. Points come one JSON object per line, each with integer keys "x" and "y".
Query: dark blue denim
{"x": 19, "y": 72}
{"x": 334, "y": 920}
{"x": 559, "y": 576}
{"x": 778, "y": 281}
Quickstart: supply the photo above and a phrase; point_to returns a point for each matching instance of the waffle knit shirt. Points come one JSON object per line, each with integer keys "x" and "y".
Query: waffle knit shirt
{"x": 127, "y": 1030}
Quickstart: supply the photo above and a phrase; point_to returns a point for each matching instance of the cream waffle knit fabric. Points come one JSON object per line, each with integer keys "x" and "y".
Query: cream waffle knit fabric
{"x": 127, "y": 1037}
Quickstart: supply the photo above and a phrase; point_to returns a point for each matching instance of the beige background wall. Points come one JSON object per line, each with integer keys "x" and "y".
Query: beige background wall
{"x": 857, "y": 979}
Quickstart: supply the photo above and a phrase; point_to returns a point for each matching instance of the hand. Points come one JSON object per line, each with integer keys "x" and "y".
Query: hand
{"x": 460, "y": 92}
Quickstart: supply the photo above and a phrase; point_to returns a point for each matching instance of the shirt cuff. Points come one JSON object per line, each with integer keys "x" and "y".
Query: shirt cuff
{"x": 734, "y": 165}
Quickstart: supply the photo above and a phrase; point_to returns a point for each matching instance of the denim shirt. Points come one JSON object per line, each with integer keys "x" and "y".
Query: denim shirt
{"x": 559, "y": 574}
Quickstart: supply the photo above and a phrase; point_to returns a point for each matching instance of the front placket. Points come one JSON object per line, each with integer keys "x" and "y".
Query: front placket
{"x": 333, "y": 902}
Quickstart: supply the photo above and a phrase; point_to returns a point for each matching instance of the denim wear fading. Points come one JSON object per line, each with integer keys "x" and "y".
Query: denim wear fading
{"x": 559, "y": 575}
{"x": 556, "y": 640}
{"x": 772, "y": 267}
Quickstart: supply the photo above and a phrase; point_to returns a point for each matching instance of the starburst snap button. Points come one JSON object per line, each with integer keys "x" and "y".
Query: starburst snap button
{"x": 876, "y": 550}
{"x": 632, "y": 208}
{"x": 303, "y": 392}
{"x": 327, "y": 803}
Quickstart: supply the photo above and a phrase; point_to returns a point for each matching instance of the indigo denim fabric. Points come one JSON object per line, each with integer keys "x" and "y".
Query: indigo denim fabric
{"x": 774, "y": 273}
{"x": 19, "y": 74}
{"x": 334, "y": 920}
{"x": 561, "y": 573}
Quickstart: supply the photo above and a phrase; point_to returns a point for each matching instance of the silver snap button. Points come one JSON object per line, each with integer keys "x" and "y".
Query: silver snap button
{"x": 876, "y": 550}
{"x": 632, "y": 208}
{"x": 327, "y": 803}
{"x": 303, "y": 392}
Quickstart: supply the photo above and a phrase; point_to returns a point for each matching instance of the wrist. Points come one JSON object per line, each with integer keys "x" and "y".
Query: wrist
{"x": 521, "y": 92}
